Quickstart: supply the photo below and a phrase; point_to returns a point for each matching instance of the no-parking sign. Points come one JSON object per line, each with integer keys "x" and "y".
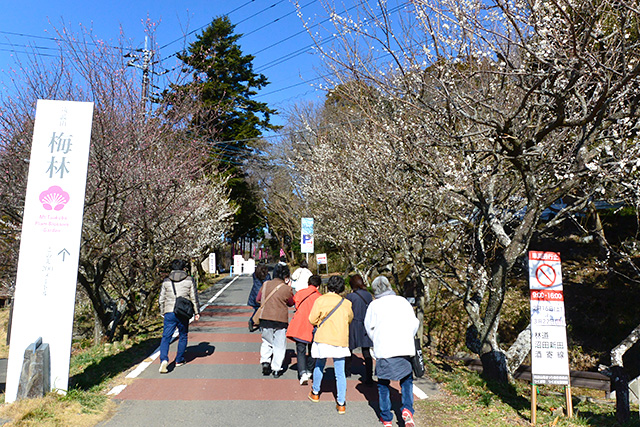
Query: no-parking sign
{"x": 549, "y": 353}
{"x": 545, "y": 270}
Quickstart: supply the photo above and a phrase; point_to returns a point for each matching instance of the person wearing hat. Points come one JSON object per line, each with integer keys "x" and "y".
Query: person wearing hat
{"x": 392, "y": 325}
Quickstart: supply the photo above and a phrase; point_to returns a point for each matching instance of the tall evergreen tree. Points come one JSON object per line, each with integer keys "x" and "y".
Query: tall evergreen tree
{"x": 227, "y": 84}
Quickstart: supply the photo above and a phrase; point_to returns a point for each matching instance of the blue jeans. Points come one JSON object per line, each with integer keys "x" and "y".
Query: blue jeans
{"x": 171, "y": 322}
{"x": 341, "y": 380}
{"x": 406, "y": 386}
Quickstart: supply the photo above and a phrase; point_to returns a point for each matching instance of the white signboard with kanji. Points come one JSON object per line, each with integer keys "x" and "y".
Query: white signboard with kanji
{"x": 321, "y": 259}
{"x": 549, "y": 355}
{"x": 45, "y": 291}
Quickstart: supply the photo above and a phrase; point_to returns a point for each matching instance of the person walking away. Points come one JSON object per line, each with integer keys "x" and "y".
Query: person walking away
{"x": 360, "y": 299}
{"x": 276, "y": 297}
{"x": 260, "y": 276}
{"x": 300, "y": 330}
{"x": 392, "y": 325}
{"x": 332, "y": 314}
{"x": 300, "y": 277}
{"x": 178, "y": 284}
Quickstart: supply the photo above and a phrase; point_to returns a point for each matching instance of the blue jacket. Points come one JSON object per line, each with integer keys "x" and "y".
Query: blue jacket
{"x": 257, "y": 284}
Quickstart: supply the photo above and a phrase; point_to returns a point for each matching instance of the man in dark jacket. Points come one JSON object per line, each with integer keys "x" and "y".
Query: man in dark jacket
{"x": 178, "y": 284}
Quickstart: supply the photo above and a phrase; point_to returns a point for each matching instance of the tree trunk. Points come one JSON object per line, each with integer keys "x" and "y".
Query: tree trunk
{"x": 422, "y": 299}
{"x": 97, "y": 329}
{"x": 598, "y": 233}
{"x": 619, "y": 379}
{"x": 620, "y": 384}
{"x": 519, "y": 350}
{"x": 494, "y": 366}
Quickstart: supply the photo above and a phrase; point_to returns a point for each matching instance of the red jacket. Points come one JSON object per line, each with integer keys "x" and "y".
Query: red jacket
{"x": 300, "y": 327}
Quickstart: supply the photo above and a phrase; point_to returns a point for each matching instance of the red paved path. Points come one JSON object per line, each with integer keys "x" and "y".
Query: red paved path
{"x": 223, "y": 376}
{"x": 154, "y": 386}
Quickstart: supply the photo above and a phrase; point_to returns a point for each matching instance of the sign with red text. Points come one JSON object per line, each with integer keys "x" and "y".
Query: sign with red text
{"x": 549, "y": 355}
{"x": 321, "y": 259}
{"x": 45, "y": 290}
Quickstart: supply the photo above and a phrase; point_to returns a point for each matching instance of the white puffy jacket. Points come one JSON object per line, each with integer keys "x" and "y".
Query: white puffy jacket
{"x": 392, "y": 326}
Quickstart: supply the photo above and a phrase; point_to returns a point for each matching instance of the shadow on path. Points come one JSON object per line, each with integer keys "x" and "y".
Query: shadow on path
{"x": 111, "y": 366}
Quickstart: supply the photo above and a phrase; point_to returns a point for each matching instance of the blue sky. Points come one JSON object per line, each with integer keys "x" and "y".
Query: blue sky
{"x": 274, "y": 33}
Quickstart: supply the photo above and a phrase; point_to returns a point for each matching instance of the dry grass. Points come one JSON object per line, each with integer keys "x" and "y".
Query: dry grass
{"x": 4, "y": 325}
{"x": 467, "y": 400}
{"x": 56, "y": 410}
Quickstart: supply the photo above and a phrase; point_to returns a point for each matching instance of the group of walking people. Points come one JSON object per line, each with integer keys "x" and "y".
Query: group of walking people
{"x": 325, "y": 326}
{"x": 332, "y": 326}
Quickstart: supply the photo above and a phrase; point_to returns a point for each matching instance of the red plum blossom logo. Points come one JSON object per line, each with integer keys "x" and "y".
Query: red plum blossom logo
{"x": 54, "y": 198}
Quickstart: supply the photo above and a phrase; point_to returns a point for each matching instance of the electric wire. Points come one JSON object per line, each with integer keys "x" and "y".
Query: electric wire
{"x": 200, "y": 28}
{"x": 56, "y": 39}
{"x": 259, "y": 12}
{"x": 307, "y": 48}
{"x": 276, "y": 20}
{"x": 266, "y": 66}
{"x": 28, "y": 53}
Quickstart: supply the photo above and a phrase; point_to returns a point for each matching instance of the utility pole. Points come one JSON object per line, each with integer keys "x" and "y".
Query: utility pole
{"x": 145, "y": 67}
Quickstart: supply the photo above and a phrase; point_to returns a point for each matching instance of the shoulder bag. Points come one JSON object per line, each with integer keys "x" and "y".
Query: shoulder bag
{"x": 183, "y": 308}
{"x": 327, "y": 316}
{"x": 362, "y": 298}
{"x": 254, "y": 321}
{"x": 417, "y": 362}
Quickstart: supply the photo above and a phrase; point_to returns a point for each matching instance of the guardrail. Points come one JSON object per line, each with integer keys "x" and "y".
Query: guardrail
{"x": 583, "y": 379}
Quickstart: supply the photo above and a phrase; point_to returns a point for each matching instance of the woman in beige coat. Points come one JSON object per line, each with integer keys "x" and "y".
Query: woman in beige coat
{"x": 178, "y": 284}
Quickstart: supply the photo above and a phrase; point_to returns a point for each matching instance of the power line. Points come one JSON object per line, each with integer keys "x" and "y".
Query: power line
{"x": 314, "y": 79}
{"x": 307, "y": 48}
{"x": 28, "y": 53}
{"x": 259, "y": 12}
{"x": 305, "y": 30}
{"x": 277, "y": 19}
{"x": 56, "y": 39}
{"x": 200, "y": 28}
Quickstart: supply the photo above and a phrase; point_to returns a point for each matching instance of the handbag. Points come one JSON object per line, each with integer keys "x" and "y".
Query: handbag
{"x": 326, "y": 317}
{"x": 252, "y": 325}
{"x": 183, "y": 308}
{"x": 417, "y": 362}
{"x": 254, "y": 320}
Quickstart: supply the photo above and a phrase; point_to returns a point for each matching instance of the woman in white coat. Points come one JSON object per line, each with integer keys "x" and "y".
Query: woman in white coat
{"x": 392, "y": 325}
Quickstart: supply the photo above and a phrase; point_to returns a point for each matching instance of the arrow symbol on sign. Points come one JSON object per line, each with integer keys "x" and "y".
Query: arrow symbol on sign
{"x": 64, "y": 252}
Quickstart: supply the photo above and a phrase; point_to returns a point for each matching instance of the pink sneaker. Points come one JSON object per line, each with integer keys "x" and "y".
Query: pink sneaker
{"x": 408, "y": 418}
{"x": 386, "y": 423}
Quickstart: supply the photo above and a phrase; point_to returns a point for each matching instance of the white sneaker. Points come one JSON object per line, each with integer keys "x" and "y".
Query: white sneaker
{"x": 304, "y": 379}
{"x": 163, "y": 367}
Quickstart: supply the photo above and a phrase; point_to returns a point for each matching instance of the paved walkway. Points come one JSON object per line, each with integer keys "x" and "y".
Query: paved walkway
{"x": 222, "y": 383}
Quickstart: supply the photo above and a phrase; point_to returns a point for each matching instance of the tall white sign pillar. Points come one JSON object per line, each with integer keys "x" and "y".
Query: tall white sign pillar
{"x": 50, "y": 242}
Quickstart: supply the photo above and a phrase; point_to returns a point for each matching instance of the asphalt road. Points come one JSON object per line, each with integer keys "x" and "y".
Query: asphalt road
{"x": 222, "y": 383}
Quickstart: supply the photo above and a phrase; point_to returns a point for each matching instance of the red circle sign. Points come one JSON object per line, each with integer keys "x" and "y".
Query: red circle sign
{"x": 546, "y": 275}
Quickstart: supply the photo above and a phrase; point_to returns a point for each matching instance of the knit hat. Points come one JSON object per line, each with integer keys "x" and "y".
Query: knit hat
{"x": 380, "y": 284}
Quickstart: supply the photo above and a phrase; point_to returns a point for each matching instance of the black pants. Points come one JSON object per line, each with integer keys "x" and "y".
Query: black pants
{"x": 306, "y": 363}
{"x": 368, "y": 364}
